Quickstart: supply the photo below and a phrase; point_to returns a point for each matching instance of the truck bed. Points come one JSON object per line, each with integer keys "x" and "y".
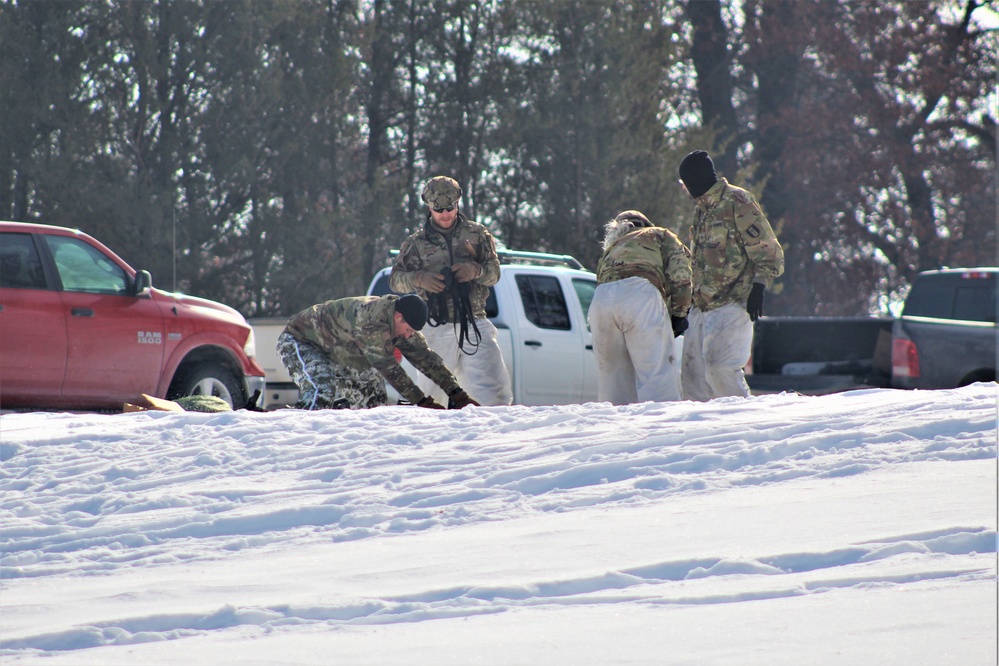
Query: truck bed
{"x": 819, "y": 355}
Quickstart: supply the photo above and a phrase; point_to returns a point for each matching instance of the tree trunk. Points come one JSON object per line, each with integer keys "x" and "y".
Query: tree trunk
{"x": 712, "y": 62}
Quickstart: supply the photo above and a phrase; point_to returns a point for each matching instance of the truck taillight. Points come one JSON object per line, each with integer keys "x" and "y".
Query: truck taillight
{"x": 904, "y": 359}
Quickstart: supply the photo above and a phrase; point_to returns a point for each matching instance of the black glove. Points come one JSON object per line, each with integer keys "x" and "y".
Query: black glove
{"x": 251, "y": 404}
{"x": 680, "y": 325}
{"x": 428, "y": 402}
{"x": 754, "y": 304}
{"x": 458, "y": 399}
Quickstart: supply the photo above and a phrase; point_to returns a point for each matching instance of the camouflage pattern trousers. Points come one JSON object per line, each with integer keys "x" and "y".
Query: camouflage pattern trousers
{"x": 324, "y": 384}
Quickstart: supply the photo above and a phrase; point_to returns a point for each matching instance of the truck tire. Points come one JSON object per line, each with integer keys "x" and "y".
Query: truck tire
{"x": 210, "y": 379}
{"x": 978, "y": 376}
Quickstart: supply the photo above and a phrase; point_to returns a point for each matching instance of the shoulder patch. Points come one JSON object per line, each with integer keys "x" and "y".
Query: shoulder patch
{"x": 741, "y": 196}
{"x": 753, "y": 231}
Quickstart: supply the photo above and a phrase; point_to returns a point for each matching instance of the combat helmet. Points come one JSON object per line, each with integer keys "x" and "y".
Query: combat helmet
{"x": 441, "y": 192}
{"x": 635, "y": 217}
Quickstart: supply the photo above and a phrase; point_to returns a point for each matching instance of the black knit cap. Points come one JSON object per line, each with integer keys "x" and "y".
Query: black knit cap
{"x": 697, "y": 172}
{"x": 413, "y": 310}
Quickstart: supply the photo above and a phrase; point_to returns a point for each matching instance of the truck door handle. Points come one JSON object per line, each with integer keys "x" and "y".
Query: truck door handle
{"x": 589, "y": 347}
{"x": 532, "y": 343}
{"x": 82, "y": 312}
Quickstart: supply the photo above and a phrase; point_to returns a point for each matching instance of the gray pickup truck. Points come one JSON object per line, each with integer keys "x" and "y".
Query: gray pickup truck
{"x": 946, "y": 336}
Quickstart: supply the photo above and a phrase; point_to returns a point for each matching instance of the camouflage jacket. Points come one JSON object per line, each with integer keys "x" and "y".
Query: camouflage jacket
{"x": 433, "y": 249}
{"x": 655, "y": 254}
{"x": 357, "y": 332}
{"x": 732, "y": 246}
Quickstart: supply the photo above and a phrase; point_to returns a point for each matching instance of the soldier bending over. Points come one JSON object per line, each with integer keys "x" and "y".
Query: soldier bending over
{"x": 340, "y": 353}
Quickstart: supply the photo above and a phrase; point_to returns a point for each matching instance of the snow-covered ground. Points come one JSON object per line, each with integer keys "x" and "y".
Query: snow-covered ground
{"x": 857, "y": 528}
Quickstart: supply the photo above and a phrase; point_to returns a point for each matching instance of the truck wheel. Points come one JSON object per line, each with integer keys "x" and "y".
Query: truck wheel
{"x": 210, "y": 379}
{"x": 978, "y": 376}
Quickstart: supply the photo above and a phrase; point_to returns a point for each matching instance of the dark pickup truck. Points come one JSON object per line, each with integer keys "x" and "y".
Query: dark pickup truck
{"x": 819, "y": 355}
{"x": 946, "y": 336}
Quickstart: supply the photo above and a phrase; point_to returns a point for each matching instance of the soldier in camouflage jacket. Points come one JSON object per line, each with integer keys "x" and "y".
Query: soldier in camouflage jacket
{"x": 639, "y": 306}
{"x": 449, "y": 242}
{"x": 341, "y": 352}
{"x": 736, "y": 256}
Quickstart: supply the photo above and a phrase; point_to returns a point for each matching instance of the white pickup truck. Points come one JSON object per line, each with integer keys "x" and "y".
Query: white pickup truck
{"x": 539, "y": 307}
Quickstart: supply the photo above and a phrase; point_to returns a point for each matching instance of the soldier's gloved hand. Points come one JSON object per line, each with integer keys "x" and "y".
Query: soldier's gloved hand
{"x": 467, "y": 270}
{"x": 680, "y": 325}
{"x": 459, "y": 399}
{"x": 428, "y": 402}
{"x": 754, "y": 304}
{"x": 428, "y": 281}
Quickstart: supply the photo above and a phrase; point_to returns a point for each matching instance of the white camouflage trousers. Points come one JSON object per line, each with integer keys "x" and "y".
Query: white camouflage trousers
{"x": 716, "y": 348}
{"x": 324, "y": 384}
{"x": 633, "y": 343}
{"x": 483, "y": 374}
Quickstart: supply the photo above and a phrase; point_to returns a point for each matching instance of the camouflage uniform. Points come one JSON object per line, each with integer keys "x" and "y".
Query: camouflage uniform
{"x": 432, "y": 250}
{"x": 643, "y": 278}
{"x": 733, "y": 246}
{"x": 344, "y": 350}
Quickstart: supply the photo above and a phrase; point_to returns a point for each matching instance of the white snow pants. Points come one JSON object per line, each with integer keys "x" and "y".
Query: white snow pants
{"x": 716, "y": 347}
{"x": 483, "y": 374}
{"x": 633, "y": 343}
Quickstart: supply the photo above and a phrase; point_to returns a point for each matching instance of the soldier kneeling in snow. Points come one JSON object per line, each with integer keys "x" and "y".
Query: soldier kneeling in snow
{"x": 341, "y": 352}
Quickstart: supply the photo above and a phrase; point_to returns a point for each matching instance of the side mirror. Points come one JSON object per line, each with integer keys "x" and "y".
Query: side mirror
{"x": 143, "y": 283}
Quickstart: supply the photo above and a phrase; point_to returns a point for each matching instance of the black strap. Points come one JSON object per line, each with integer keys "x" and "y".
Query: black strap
{"x": 437, "y": 309}
{"x": 463, "y": 305}
{"x": 458, "y": 292}
{"x": 461, "y": 302}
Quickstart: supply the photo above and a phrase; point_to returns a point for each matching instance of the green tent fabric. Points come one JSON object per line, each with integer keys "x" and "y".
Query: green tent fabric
{"x": 203, "y": 403}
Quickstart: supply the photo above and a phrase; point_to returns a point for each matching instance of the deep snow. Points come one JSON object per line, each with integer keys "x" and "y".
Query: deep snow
{"x": 857, "y": 528}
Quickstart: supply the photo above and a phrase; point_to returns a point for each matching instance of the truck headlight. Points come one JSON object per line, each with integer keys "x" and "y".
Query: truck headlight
{"x": 250, "y": 347}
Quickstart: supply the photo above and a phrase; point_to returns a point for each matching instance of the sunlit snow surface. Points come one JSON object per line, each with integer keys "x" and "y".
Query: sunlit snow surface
{"x": 857, "y": 528}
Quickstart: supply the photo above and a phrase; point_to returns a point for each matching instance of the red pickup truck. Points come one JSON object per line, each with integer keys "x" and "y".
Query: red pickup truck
{"x": 81, "y": 329}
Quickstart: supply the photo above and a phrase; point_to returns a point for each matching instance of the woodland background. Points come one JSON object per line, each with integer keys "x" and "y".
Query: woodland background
{"x": 268, "y": 153}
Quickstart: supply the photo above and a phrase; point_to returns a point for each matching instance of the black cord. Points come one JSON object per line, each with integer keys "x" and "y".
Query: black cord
{"x": 459, "y": 295}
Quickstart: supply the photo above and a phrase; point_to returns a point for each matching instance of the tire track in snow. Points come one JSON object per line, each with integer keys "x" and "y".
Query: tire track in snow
{"x": 66, "y": 499}
{"x": 840, "y": 568}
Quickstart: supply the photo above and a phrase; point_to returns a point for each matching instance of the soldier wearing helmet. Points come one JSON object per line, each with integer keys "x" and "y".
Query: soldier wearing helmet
{"x": 451, "y": 262}
{"x": 735, "y": 258}
{"x": 639, "y": 306}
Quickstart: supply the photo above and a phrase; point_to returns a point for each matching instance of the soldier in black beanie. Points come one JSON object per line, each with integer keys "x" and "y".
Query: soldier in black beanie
{"x": 341, "y": 353}
{"x": 734, "y": 258}
{"x": 413, "y": 309}
{"x": 697, "y": 172}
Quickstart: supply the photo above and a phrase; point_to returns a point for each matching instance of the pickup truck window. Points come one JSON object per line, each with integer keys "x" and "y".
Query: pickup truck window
{"x": 544, "y": 302}
{"x": 20, "y": 265}
{"x": 975, "y": 304}
{"x": 83, "y": 267}
{"x": 584, "y": 290}
{"x": 492, "y": 305}
{"x": 953, "y": 297}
